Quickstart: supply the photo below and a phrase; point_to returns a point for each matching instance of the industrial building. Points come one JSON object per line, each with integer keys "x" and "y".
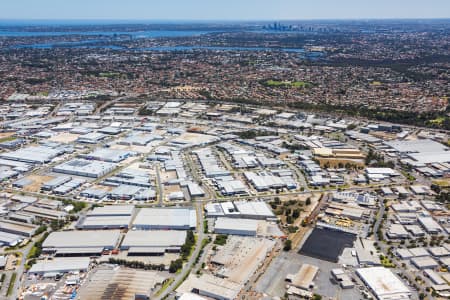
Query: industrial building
{"x": 209, "y": 163}
{"x": 165, "y": 219}
{"x": 424, "y": 262}
{"x": 81, "y": 243}
{"x": 91, "y": 138}
{"x": 383, "y": 283}
{"x": 429, "y": 224}
{"x": 45, "y": 213}
{"x": 112, "y": 282}
{"x": 264, "y": 181}
{"x": 304, "y": 278}
{"x": 94, "y": 193}
{"x": 9, "y": 239}
{"x": 107, "y": 222}
{"x": 397, "y": 231}
{"x": 85, "y": 168}
{"x": 107, "y": 217}
{"x": 49, "y": 268}
{"x": 236, "y": 226}
{"x": 55, "y": 182}
{"x": 258, "y": 210}
{"x": 153, "y": 242}
{"x": 344, "y": 280}
{"x": 128, "y": 192}
{"x": 230, "y": 186}
{"x": 108, "y": 155}
{"x": 421, "y": 151}
{"x": 130, "y": 176}
{"x": 33, "y": 154}
{"x": 210, "y": 286}
{"x": 111, "y": 210}
{"x": 195, "y": 190}
{"x": 139, "y": 139}
{"x": 19, "y": 228}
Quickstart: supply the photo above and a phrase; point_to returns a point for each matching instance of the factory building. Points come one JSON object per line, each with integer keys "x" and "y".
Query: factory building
{"x": 85, "y": 168}
{"x": 234, "y": 226}
{"x": 81, "y": 243}
{"x": 383, "y": 283}
{"x": 153, "y": 242}
{"x": 107, "y": 217}
{"x": 33, "y": 154}
{"x": 304, "y": 278}
{"x": 108, "y": 155}
{"x": 258, "y": 210}
{"x": 165, "y": 219}
{"x": 19, "y": 228}
{"x": 50, "y": 268}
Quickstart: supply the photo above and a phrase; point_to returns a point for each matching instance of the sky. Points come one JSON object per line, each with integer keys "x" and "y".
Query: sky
{"x": 204, "y": 10}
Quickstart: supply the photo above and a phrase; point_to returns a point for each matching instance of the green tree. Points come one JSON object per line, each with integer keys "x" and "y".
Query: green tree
{"x": 287, "y": 245}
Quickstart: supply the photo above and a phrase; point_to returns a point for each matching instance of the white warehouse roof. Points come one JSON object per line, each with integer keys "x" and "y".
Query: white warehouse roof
{"x": 61, "y": 265}
{"x": 165, "y": 218}
{"x": 82, "y": 239}
{"x": 154, "y": 238}
{"x": 236, "y": 226}
{"x": 112, "y": 210}
{"x": 384, "y": 284}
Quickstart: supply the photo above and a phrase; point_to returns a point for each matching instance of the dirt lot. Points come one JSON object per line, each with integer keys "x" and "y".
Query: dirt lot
{"x": 135, "y": 148}
{"x": 339, "y": 163}
{"x": 166, "y": 176}
{"x": 38, "y": 180}
{"x": 64, "y": 138}
{"x": 5, "y": 135}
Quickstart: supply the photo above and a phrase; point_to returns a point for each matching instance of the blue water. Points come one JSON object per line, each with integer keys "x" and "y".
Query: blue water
{"x": 107, "y": 43}
{"x": 4, "y": 32}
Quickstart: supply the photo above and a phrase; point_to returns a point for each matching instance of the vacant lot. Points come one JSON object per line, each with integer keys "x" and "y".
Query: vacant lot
{"x": 64, "y": 138}
{"x": 38, "y": 180}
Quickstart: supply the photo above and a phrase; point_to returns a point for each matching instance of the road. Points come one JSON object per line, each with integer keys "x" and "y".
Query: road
{"x": 179, "y": 278}
{"x": 379, "y": 218}
{"x": 21, "y": 267}
{"x": 160, "y": 187}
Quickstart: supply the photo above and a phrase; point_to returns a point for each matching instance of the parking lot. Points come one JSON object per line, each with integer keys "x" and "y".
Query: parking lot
{"x": 273, "y": 283}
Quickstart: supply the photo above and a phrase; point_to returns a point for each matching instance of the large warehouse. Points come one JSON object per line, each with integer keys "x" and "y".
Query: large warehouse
{"x": 240, "y": 209}
{"x": 104, "y": 222}
{"x": 236, "y": 226}
{"x": 81, "y": 243}
{"x": 153, "y": 242}
{"x": 60, "y": 265}
{"x": 165, "y": 219}
{"x": 112, "y": 210}
{"x": 85, "y": 168}
{"x": 383, "y": 283}
{"x": 109, "y": 155}
{"x": 33, "y": 154}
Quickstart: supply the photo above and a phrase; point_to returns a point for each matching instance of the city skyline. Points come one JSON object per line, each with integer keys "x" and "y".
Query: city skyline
{"x": 202, "y": 10}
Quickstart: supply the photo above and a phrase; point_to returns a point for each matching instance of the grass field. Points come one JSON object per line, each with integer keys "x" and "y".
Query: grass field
{"x": 11, "y": 284}
{"x": 437, "y": 121}
{"x": 443, "y": 183}
{"x": 109, "y": 74}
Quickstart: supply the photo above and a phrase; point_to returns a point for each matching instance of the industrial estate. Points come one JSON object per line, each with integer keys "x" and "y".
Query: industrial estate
{"x": 205, "y": 200}
{"x": 285, "y": 176}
